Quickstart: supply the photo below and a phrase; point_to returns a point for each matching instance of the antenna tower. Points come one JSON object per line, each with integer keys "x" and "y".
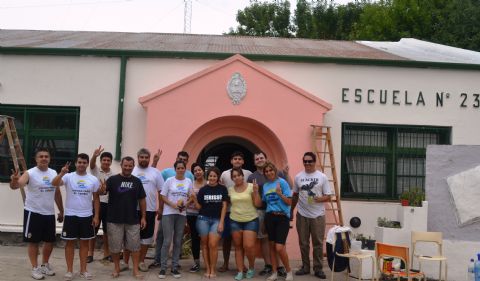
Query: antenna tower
{"x": 187, "y": 17}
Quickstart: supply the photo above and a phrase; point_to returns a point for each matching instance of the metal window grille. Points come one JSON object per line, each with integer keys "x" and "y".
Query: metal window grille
{"x": 54, "y": 128}
{"x": 381, "y": 161}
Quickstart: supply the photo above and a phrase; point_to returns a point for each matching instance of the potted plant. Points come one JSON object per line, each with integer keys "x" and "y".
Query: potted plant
{"x": 412, "y": 197}
{"x": 404, "y": 198}
{"x": 360, "y": 237}
{"x": 370, "y": 243}
{"x": 384, "y": 222}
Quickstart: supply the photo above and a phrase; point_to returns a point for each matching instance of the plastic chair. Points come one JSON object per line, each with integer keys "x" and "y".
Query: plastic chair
{"x": 429, "y": 237}
{"x": 357, "y": 256}
{"x": 383, "y": 251}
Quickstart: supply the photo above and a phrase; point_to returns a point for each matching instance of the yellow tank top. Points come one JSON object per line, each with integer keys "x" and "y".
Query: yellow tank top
{"x": 242, "y": 209}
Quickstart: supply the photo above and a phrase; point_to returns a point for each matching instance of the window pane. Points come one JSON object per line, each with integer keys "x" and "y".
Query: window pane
{"x": 365, "y": 138}
{"x": 61, "y": 151}
{"x": 416, "y": 139}
{"x": 410, "y": 173}
{"x": 53, "y": 120}
{"x": 367, "y": 174}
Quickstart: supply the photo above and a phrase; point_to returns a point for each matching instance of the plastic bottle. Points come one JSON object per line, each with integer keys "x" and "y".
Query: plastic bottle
{"x": 471, "y": 270}
{"x": 477, "y": 268}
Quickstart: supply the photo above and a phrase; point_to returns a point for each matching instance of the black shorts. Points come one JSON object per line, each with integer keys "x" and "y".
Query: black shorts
{"x": 277, "y": 226}
{"x": 148, "y": 231}
{"x": 103, "y": 217}
{"x": 37, "y": 227}
{"x": 78, "y": 228}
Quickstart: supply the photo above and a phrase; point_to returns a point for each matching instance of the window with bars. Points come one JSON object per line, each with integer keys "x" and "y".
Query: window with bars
{"x": 51, "y": 127}
{"x": 381, "y": 161}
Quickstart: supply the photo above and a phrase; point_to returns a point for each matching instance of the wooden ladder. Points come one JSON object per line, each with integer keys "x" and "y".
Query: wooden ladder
{"x": 323, "y": 148}
{"x": 7, "y": 128}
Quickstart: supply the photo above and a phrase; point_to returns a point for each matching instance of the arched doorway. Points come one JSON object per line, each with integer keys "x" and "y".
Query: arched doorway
{"x": 218, "y": 152}
{"x": 225, "y": 134}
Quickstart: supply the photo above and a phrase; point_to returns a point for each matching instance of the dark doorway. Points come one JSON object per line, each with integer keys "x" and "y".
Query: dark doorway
{"x": 218, "y": 152}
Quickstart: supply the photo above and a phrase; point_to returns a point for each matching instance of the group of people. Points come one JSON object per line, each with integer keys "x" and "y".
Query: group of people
{"x": 236, "y": 205}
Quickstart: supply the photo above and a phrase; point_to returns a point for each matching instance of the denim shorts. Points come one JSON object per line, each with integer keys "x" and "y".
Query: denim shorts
{"x": 248, "y": 225}
{"x": 206, "y": 225}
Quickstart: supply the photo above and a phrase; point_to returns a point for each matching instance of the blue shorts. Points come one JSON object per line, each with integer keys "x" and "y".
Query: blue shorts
{"x": 242, "y": 226}
{"x": 206, "y": 225}
{"x": 227, "y": 229}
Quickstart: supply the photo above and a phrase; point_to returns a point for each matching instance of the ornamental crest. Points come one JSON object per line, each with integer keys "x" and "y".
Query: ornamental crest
{"x": 237, "y": 88}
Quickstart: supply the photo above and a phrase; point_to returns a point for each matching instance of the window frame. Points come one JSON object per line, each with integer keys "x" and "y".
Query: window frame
{"x": 27, "y": 134}
{"x": 392, "y": 153}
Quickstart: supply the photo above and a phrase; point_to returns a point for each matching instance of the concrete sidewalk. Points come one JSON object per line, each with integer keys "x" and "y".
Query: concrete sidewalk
{"x": 15, "y": 266}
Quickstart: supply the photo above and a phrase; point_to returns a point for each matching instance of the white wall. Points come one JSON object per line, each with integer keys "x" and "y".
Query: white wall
{"x": 87, "y": 82}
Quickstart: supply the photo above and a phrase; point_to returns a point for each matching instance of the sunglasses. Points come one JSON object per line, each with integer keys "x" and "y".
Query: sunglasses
{"x": 308, "y": 161}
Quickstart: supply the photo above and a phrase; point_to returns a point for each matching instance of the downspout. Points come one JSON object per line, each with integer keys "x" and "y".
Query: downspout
{"x": 121, "y": 100}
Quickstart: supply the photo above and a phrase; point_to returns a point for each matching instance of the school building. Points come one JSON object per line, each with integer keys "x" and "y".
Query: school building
{"x": 211, "y": 95}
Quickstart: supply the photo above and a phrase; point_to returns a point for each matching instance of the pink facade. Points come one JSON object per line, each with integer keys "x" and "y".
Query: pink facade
{"x": 196, "y": 111}
{"x": 274, "y": 115}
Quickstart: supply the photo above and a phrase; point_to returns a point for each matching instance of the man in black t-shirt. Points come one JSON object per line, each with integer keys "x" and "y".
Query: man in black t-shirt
{"x": 125, "y": 191}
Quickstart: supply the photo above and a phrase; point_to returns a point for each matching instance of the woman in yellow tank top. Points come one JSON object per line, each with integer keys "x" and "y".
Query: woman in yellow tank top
{"x": 244, "y": 222}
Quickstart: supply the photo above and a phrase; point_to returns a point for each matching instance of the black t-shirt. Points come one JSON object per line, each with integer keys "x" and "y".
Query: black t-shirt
{"x": 211, "y": 199}
{"x": 123, "y": 196}
{"x": 261, "y": 180}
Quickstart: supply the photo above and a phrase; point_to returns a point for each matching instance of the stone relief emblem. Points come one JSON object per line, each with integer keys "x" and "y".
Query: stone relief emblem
{"x": 237, "y": 88}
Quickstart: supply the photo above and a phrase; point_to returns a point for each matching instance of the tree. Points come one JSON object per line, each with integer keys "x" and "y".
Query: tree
{"x": 264, "y": 19}
{"x": 303, "y": 20}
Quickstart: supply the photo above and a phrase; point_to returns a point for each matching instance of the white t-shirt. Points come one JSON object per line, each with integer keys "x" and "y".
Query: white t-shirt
{"x": 307, "y": 186}
{"x": 40, "y": 193}
{"x": 227, "y": 181}
{"x": 152, "y": 181}
{"x": 80, "y": 189}
{"x": 101, "y": 175}
{"x": 175, "y": 190}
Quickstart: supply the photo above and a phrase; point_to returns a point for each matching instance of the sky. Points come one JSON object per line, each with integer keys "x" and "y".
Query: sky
{"x": 161, "y": 16}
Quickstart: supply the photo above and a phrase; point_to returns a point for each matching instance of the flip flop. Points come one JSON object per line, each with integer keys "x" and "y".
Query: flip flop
{"x": 206, "y": 275}
{"x": 139, "y": 276}
{"x": 115, "y": 275}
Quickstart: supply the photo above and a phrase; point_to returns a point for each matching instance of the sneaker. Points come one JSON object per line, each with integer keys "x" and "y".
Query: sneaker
{"x": 37, "y": 273}
{"x": 289, "y": 276}
{"x": 162, "y": 274}
{"x": 86, "y": 275}
{"x": 250, "y": 273}
{"x": 239, "y": 276}
{"x": 47, "y": 269}
{"x": 320, "y": 274}
{"x": 123, "y": 266}
{"x": 68, "y": 276}
{"x": 281, "y": 271}
{"x": 89, "y": 259}
{"x": 302, "y": 271}
{"x": 195, "y": 268}
{"x": 154, "y": 264}
{"x": 142, "y": 267}
{"x": 273, "y": 277}
{"x": 176, "y": 273}
{"x": 266, "y": 270}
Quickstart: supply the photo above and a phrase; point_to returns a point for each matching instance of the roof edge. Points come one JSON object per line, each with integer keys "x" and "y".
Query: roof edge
{"x": 253, "y": 57}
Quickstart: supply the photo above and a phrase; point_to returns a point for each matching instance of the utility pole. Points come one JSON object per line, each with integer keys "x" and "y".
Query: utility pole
{"x": 187, "y": 17}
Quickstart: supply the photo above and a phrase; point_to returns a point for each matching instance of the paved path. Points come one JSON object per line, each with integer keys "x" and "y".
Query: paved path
{"x": 14, "y": 266}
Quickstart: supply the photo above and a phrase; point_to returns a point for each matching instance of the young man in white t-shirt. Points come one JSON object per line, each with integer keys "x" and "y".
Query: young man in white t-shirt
{"x": 39, "y": 211}
{"x": 311, "y": 190}
{"x": 102, "y": 173}
{"x": 80, "y": 222}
